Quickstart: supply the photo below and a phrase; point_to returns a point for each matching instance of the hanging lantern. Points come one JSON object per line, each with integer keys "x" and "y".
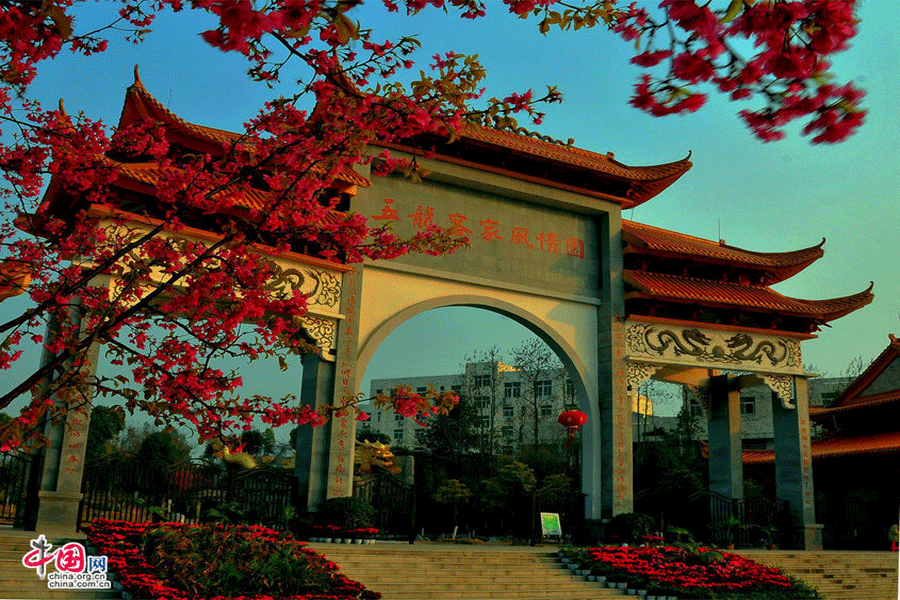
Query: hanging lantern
{"x": 572, "y": 420}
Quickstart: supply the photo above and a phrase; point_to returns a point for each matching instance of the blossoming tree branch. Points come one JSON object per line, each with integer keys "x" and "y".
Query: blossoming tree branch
{"x": 168, "y": 288}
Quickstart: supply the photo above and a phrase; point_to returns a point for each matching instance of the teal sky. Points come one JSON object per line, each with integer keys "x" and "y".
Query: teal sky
{"x": 763, "y": 197}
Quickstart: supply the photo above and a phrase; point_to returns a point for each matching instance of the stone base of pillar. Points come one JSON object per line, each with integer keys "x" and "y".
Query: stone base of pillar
{"x": 58, "y": 512}
{"x": 810, "y": 536}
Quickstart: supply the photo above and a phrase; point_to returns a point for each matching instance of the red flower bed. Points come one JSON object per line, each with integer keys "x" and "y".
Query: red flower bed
{"x": 698, "y": 573}
{"x": 122, "y": 543}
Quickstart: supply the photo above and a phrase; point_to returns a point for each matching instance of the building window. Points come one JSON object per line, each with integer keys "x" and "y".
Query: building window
{"x": 546, "y": 410}
{"x": 748, "y": 405}
{"x": 507, "y": 432}
{"x": 421, "y": 390}
{"x": 570, "y": 388}
{"x": 482, "y": 381}
{"x": 512, "y": 389}
{"x": 377, "y": 392}
{"x": 485, "y": 421}
{"x": 544, "y": 387}
{"x": 398, "y": 417}
{"x": 508, "y": 411}
{"x": 482, "y": 401}
{"x": 456, "y": 388}
{"x": 398, "y": 435}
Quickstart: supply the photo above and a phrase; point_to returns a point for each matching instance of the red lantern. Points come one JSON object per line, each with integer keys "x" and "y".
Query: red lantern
{"x": 572, "y": 420}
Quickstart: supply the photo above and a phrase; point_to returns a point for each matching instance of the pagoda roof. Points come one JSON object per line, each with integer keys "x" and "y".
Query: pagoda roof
{"x": 861, "y": 393}
{"x": 531, "y": 157}
{"x": 643, "y": 182}
{"x": 729, "y": 295}
{"x": 141, "y": 105}
{"x": 776, "y": 266}
{"x": 877, "y": 443}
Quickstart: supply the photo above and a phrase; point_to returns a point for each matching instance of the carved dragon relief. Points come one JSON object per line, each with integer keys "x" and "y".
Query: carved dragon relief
{"x": 323, "y": 331}
{"x": 732, "y": 349}
{"x": 320, "y": 287}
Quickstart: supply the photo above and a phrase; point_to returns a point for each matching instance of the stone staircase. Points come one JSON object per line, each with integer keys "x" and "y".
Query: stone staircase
{"x": 837, "y": 575}
{"x": 18, "y": 581}
{"x": 451, "y": 572}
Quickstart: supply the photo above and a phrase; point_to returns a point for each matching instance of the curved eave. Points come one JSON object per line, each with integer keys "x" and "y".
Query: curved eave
{"x": 733, "y": 296}
{"x": 851, "y": 397}
{"x": 877, "y": 443}
{"x": 662, "y": 243}
{"x": 14, "y": 279}
{"x": 141, "y": 178}
{"x": 141, "y": 104}
{"x": 858, "y": 403}
{"x": 530, "y": 159}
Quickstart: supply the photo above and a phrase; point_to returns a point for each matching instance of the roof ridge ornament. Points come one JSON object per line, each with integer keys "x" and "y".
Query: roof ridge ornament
{"x": 137, "y": 77}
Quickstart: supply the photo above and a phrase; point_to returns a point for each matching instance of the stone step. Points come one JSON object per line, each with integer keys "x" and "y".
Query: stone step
{"x": 838, "y": 575}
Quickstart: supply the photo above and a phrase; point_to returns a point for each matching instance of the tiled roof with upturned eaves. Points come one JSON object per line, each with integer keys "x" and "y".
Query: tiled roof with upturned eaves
{"x": 737, "y": 296}
{"x": 654, "y": 241}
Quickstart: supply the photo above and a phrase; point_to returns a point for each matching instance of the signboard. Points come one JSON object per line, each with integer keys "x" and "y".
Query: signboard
{"x": 510, "y": 240}
{"x": 550, "y": 526}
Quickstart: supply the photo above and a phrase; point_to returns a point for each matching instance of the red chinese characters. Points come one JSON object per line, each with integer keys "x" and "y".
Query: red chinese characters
{"x": 492, "y": 230}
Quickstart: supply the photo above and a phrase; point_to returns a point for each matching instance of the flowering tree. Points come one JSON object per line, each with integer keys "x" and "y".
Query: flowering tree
{"x": 133, "y": 276}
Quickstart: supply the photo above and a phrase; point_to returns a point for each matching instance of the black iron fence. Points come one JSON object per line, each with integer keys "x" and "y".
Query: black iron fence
{"x": 749, "y": 522}
{"x": 194, "y": 491}
{"x": 394, "y": 503}
{"x": 18, "y": 489}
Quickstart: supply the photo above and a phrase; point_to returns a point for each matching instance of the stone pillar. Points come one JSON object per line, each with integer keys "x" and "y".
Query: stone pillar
{"x": 59, "y": 495}
{"x": 616, "y": 465}
{"x": 793, "y": 465}
{"x": 311, "y": 448}
{"x": 726, "y": 469}
{"x": 342, "y": 437}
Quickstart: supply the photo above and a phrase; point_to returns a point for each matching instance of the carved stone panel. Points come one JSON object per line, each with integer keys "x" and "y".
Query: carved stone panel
{"x": 322, "y": 330}
{"x": 322, "y": 288}
{"x": 637, "y": 373}
{"x": 783, "y": 386}
{"x": 712, "y": 348}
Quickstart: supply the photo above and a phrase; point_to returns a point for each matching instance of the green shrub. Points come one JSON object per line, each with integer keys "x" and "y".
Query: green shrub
{"x": 628, "y": 527}
{"x": 347, "y": 512}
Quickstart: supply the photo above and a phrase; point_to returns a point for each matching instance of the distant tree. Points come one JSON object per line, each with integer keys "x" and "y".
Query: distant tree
{"x": 162, "y": 449}
{"x": 253, "y": 442}
{"x": 484, "y": 367}
{"x": 366, "y": 434}
{"x": 512, "y": 478}
{"x": 106, "y": 423}
{"x": 453, "y": 438}
{"x": 535, "y": 363}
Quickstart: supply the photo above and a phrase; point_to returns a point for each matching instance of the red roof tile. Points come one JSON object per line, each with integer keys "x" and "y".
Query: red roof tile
{"x": 143, "y": 177}
{"x": 645, "y": 239}
{"x": 877, "y": 443}
{"x": 140, "y": 104}
{"x": 674, "y": 288}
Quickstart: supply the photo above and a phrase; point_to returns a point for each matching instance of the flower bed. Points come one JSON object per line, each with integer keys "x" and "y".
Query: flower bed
{"x": 327, "y": 532}
{"x": 184, "y": 562}
{"x": 693, "y": 573}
